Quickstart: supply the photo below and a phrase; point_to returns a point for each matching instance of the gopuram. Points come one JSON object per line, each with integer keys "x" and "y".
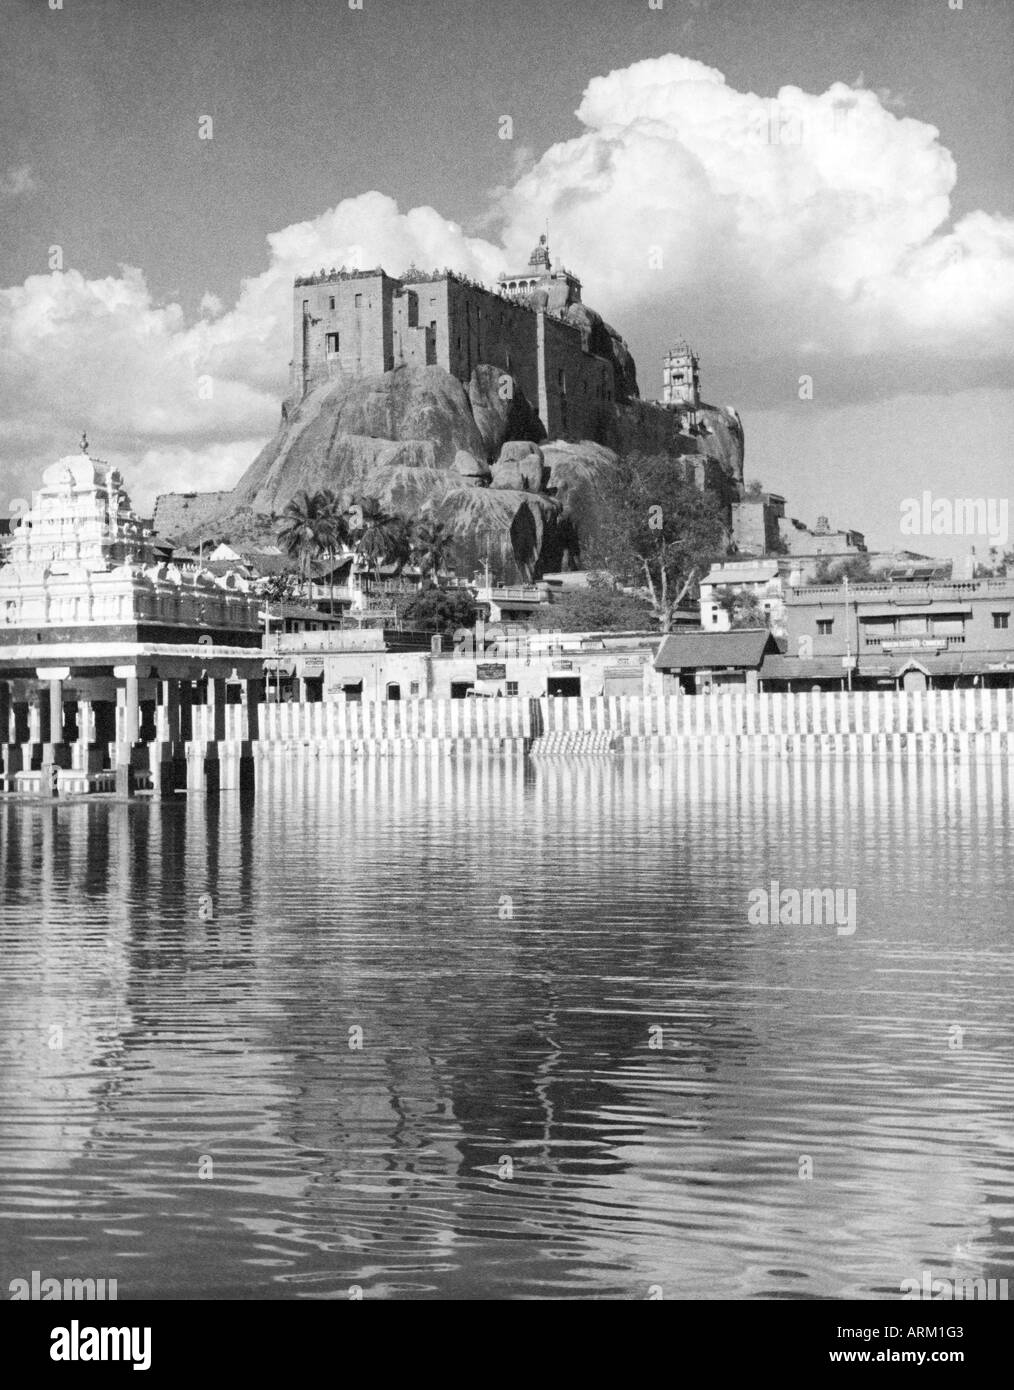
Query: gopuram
{"x": 115, "y": 664}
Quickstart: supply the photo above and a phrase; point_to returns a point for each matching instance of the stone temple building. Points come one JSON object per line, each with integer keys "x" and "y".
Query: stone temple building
{"x": 104, "y": 645}
{"x": 357, "y": 323}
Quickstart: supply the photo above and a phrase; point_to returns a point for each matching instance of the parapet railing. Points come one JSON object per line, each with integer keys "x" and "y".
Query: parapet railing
{"x": 721, "y": 715}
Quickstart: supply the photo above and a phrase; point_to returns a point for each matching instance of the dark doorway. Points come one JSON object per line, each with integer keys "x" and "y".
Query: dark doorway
{"x": 563, "y": 685}
{"x": 460, "y": 689}
{"x": 393, "y": 690}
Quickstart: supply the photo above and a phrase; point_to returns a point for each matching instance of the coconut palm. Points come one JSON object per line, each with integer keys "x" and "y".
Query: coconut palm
{"x": 433, "y": 544}
{"x": 377, "y": 533}
{"x": 400, "y": 541}
{"x": 335, "y": 534}
{"x": 308, "y": 533}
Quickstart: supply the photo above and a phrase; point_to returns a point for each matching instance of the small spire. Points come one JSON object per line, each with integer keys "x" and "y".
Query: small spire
{"x": 84, "y": 442}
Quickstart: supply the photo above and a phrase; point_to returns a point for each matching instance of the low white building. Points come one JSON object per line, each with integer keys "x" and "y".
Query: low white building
{"x": 764, "y": 580}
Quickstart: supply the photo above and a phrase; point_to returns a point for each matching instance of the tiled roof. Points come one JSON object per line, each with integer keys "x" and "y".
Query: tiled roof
{"x": 689, "y": 651}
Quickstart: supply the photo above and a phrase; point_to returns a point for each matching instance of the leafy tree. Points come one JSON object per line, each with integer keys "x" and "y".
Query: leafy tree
{"x": 599, "y": 608}
{"x": 832, "y": 569}
{"x": 1000, "y": 562}
{"x": 279, "y": 588}
{"x": 657, "y": 530}
{"x": 744, "y": 608}
{"x": 437, "y": 610}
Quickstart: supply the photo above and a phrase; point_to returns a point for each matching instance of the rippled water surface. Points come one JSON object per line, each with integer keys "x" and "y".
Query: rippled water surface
{"x": 583, "y": 1071}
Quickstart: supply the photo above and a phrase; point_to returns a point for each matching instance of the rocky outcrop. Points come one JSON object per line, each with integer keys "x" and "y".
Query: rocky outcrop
{"x": 413, "y": 417}
{"x": 519, "y": 468}
{"x": 501, "y": 410}
{"x": 419, "y": 441}
{"x": 718, "y": 434}
{"x": 576, "y": 476}
{"x": 524, "y": 534}
{"x": 472, "y": 472}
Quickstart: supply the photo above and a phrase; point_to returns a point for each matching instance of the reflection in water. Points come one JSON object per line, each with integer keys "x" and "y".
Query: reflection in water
{"x": 582, "y": 1072}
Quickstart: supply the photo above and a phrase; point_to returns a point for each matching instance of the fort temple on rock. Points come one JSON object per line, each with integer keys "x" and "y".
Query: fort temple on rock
{"x": 566, "y": 361}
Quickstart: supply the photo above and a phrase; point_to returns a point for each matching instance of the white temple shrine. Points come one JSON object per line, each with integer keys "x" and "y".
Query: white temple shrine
{"x": 105, "y": 645}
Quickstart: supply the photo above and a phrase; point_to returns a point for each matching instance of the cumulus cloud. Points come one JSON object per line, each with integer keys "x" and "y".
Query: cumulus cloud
{"x": 804, "y": 230}
{"x": 812, "y": 223}
{"x": 174, "y": 402}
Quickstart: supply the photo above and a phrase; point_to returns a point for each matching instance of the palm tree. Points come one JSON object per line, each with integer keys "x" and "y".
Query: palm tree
{"x": 433, "y": 544}
{"x": 335, "y": 534}
{"x": 400, "y": 541}
{"x": 307, "y": 534}
{"x": 377, "y": 532}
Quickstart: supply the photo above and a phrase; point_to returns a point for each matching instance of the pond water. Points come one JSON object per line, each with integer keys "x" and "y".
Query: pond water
{"x": 488, "y": 1029}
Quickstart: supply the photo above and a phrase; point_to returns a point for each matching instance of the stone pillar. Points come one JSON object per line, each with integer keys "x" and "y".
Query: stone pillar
{"x": 171, "y": 711}
{"x": 216, "y": 703}
{"x": 56, "y": 711}
{"x": 55, "y": 751}
{"x": 167, "y": 756}
{"x": 129, "y": 728}
{"x": 131, "y": 711}
{"x": 35, "y": 720}
{"x": 255, "y": 691}
{"x": 9, "y": 753}
{"x": 89, "y": 753}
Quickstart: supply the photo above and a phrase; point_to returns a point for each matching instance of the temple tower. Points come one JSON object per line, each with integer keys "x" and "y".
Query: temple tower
{"x": 681, "y": 381}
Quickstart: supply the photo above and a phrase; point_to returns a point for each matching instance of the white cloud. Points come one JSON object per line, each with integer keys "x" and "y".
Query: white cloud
{"x": 811, "y": 225}
{"x": 807, "y": 219}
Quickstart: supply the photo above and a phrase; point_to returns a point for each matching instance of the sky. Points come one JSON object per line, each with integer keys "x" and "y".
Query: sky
{"x": 816, "y": 194}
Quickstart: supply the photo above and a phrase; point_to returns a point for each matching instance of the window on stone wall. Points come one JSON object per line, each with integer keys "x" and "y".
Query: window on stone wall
{"x": 512, "y": 687}
{"x": 330, "y": 303}
{"x": 825, "y": 626}
{"x": 332, "y": 342}
{"x": 359, "y": 301}
{"x": 1001, "y": 620}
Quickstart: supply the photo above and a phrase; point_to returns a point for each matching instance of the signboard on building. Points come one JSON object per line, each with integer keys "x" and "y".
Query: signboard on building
{"x": 913, "y": 644}
{"x": 491, "y": 671}
{"x": 313, "y": 666}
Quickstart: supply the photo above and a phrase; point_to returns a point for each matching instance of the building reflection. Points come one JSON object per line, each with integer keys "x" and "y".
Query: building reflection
{"x": 507, "y": 935}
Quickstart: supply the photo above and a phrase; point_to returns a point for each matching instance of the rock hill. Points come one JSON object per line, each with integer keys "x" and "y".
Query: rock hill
{"x": 417, "y": 439}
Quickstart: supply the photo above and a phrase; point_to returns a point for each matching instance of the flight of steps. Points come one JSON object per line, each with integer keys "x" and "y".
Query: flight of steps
{"x": 567, "y": 744}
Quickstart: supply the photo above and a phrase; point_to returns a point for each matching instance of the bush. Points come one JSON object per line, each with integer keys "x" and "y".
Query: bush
{"x": 598, "y": 609}
{"x": 437, "y": 610}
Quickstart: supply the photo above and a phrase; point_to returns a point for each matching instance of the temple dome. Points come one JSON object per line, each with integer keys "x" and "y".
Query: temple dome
{"x": 79, "y": 470}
